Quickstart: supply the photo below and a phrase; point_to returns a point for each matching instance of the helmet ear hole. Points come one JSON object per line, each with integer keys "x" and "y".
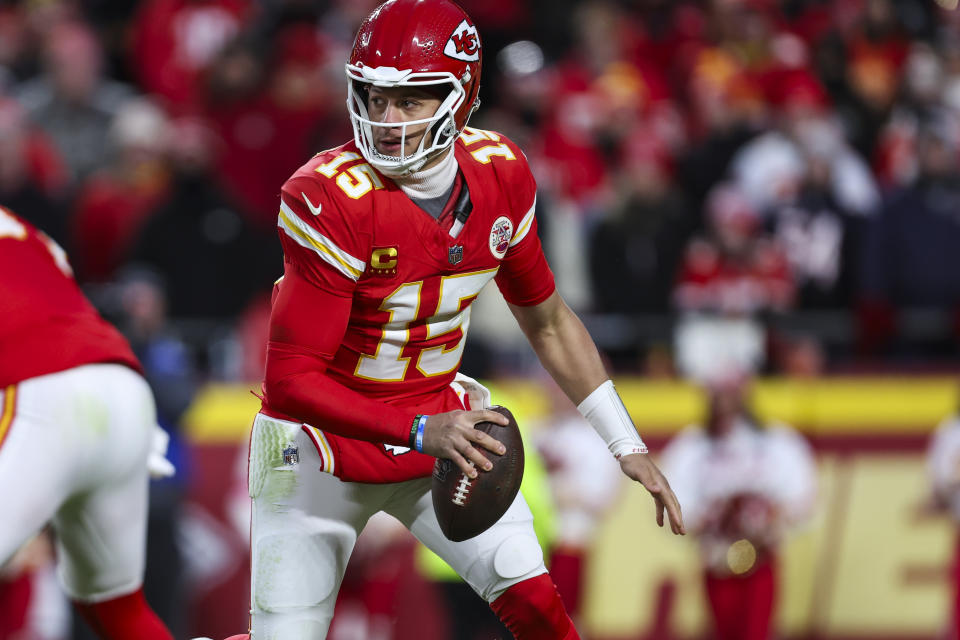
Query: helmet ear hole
{"x": 443, "y": 130}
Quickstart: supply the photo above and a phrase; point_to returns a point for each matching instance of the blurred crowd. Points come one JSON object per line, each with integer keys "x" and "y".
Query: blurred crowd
{"x": 789, "y": 166}
{"x": 725, "y": 186}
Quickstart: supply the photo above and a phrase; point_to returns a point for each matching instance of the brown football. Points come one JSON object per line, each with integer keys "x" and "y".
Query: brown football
{"x": 466, "y": 508}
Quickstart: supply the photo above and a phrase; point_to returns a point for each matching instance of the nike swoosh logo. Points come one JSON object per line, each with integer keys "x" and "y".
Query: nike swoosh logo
{"x": 315, "y": 210}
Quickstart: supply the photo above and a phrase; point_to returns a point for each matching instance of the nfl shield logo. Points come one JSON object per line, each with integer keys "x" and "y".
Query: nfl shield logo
{"x": 455, "y": 254}
{"x": 291, "y": 455}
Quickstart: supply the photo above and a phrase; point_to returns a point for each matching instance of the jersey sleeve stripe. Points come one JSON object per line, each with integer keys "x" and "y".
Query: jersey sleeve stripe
{"x": 323, "y": 447}
{"x": 524, "y": 227}
{"x": 310, "y": 238}
{"x": 9, "y": 410}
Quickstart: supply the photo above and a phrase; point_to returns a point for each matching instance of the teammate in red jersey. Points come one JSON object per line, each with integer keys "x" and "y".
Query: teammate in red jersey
{"x": 388, "y": 239}
{"x": 77, "y": 430}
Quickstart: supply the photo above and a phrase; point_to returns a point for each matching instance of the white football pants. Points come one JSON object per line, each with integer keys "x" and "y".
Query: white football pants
{"x": 305, "y": 523}
{"x": 75, "y": 454}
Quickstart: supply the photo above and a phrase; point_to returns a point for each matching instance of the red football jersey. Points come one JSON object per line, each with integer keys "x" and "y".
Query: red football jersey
{"x": 352, "y": 233}
{"x": 46, "y": 323}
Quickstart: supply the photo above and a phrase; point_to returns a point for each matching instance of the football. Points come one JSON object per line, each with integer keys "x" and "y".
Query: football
{"x": 466, "y": 508}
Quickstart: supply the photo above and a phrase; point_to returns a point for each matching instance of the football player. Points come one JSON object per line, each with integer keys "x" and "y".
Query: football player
{"x": 77, "y": 435}
{"x": 388, "y": 239}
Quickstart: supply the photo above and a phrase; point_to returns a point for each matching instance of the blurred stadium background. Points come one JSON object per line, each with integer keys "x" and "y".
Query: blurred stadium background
{"x": 764, "y": 186}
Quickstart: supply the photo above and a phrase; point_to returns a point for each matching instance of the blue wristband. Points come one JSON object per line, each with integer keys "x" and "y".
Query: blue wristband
{"x": 418, "y": 441}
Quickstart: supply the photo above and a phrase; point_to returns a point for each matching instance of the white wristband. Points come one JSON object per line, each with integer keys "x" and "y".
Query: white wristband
{"x": 605, "y": 412}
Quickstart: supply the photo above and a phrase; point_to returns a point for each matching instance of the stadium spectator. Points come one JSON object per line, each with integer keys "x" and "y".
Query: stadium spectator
{"x": 860, "y": 60}
{"x": 725, "y": 109}
{"x": 73, "y": 101}
{"x": 602, "y": 88}
{"x": 115, "y": 201}
{"x": 910, "y": 256}
{"x": 771, "y": 167}
{"x": 221, "y": 261}
{"x": 820, "y": 236}
{"x": 15, "y": 61}
{"x": 272, "y": 103}
{"x": 735, "y": 269}
{"x": 384, "y": 422}
{"x": 635, "y": 251}
{"x": 175, "y": 42}
{"x": 73, "y": 388}
{"x": 503, "y": 20}
{"x": 728, "y": 280}
{"x": 32, "y": 175}
{"x": 743, "y": 486}
{"x": 921, "y": 97}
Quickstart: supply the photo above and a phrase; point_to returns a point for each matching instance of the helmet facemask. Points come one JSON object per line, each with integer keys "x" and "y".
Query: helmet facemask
{"x": 441, "y": 127}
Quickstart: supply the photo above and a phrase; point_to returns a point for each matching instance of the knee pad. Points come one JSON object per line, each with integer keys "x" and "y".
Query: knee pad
{"x": 517, "y": 558}
{"x": 295, "y": 571}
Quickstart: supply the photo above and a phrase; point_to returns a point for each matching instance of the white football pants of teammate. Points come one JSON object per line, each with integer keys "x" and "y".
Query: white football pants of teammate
{"x": 75, "y": 454}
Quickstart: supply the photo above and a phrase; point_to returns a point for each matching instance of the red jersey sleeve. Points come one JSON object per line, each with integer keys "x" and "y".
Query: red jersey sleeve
{"x": 307, "y": 325}
{"x": 324, "y": 240}
{"x": 524, "y": 277}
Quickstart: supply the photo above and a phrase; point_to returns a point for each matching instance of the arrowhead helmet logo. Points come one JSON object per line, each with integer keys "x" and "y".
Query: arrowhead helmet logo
{"x": 464, "y": 43}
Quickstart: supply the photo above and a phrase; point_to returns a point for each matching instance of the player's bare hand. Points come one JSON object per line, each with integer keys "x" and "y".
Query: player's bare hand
{"x": 641, "y": 468}
{"x": 451, "y": 435}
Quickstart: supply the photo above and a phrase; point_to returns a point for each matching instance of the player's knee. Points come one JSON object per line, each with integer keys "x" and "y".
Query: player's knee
{"x": 517, "y": 558}
{"x": 295, "y": 571}
{"x": 517, "y": 555}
